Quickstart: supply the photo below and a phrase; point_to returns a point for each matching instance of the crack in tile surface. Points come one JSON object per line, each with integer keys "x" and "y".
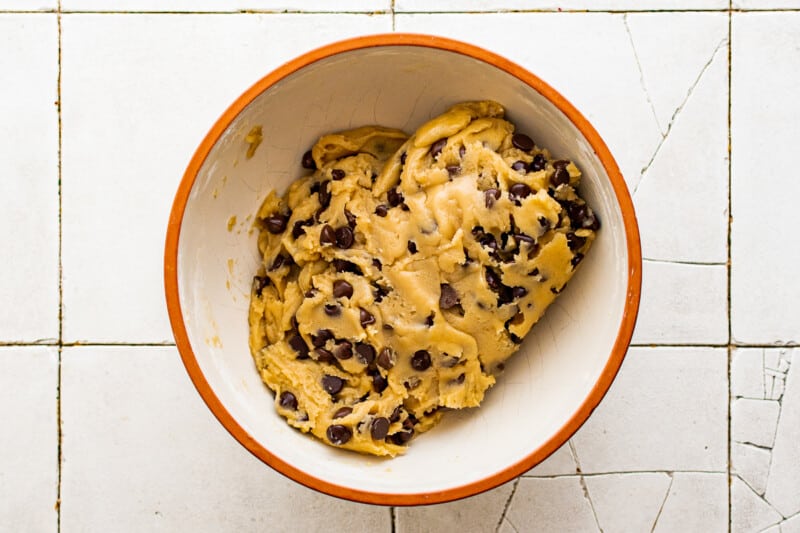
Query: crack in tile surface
{"x": 677, "y": 112}
{"x": 663, "y": 503}
{"x": 507, "y": 505}
{"x": 641, "y": 73}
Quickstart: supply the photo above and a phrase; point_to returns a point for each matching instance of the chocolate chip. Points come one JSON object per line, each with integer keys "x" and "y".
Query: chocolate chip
{"x": 288, "y": 400}
{"x": 492, "y": 279}
{"x": 333, "y": 310}
{"x": 520, "y": 166}
{"x": 519, "y": 292}
{"x": 332, "y": 384}
{"x": 393, "y": 197}
{"x": 429, "y": 319}
{"x": 293, "y": 322}
{"x": 395, "y": 416}
{"x": 460, "y": 379}
{"x": 343, "y": 350}
{"x": 323, "y": 355}
{"x": 337, "y": 174}
{"x": 308, "y": 161}
{"x": 365, "y": 353}
{"x": 544, "y": 222}
{"x": 574, "y": 241}
{"x": 561, "y": 175}
{"x": 351, "y": 219}
{"x": 298, "y": 229}
{"x": 421, "y": 360}
{"x": 412, "y": 247}
{"x": 437, "y": 147}
{"x": 453, "y": 170}
{"x": 379, "y": 383}
{"x": 515, "y": 339}
{"x": 259, "y": 282}
{"x": 279, "y": 261}
{"x": 448, "y": 297}
{"x": 327, "y": 235}
{"x": 527, "y": 239}
{"x": 324, "y": 193}
{"x": 505, "y": 295}
{"x": 377, "y": 264}
{"x": 379, "y": 428}
{"x": 342, "y": 289}
{"x": 490, "y": 196}
{"x": 522, "y": 142}
{"x": 344, "y": 237}
{"x": 519, "y": 190}
{"x": 365, "y": 317}
{"x": 339, "y": 434}
{"x": 342, "y": 412}
{"x": 538, "y": 163}
{"x": 346, "y": 266}
{"x": 576, "y": 259}
{"x": 299, "y": 345}
{"x": 276, "y": 223}
{"x": 450, "y": 361}
{"x": 534, "y": 272}
{"x": 403, "y": 158}
{"x": 381, "y": 210}
{"x": 412, "y": 383}
{"x": 488, "y": 241}
{"x": 322, "y": 336}
{"x": 401, "y": 438}
{"x": 386, "y": 359}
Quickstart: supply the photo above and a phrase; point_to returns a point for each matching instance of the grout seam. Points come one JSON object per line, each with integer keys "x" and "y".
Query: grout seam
{"x": 728, "y": 268}
{"x": 392, "y": 12}
{"x": 60, "y": 454}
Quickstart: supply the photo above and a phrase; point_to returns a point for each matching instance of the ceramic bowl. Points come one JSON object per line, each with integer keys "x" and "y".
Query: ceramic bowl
{"x": 549, "y": 388}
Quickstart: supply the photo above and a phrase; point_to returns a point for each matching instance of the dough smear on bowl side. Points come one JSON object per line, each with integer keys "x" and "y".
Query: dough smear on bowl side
{"x": 400, "y": 275}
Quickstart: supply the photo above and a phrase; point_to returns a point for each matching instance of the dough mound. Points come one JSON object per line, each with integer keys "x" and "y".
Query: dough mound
{"x": 400, "y": 275}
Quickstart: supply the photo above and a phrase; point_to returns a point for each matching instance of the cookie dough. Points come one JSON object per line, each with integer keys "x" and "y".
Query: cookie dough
{"x": 400, "y": 275}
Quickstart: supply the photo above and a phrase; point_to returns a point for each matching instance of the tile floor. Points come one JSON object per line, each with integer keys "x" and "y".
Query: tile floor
{"x": 101, "y": 106}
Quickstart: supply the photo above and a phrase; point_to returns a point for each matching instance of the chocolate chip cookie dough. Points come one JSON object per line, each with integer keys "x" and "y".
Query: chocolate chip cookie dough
{"x": 403, "y": 271}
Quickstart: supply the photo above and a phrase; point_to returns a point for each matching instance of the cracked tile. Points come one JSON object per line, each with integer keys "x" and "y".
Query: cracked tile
{"x": 28, "y": 177}
{"x": 598, "y": 49}
{"x": 748, "y": 511}
{"x": 696, "y": 502}
{"x": 754, "y": 421}
{"x": 690, "y": 170}
{"x": 506, "y": 527}
{"x": 783, "y": 484}
{"x": 155, "y": 459}
{"x": 560, "y": 463}
{"x": 764, "y": 116}
{"x": 29, "y": 439}
{"x": 226, "y": 5}
{"x": 747, "y": 373}
{"x": 682, "y": 304}
{"x": 751, "y": 464}
{"x": 132, "y": 72}
{"x": 667, "y": 410}
{"x": 627, "y": 502}
{"x": 477, "y": 513}
{"x": 550, "y": 504}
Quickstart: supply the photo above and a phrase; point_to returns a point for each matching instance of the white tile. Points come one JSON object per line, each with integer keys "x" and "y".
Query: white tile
{"x": 766, "y": 4}
{"x": 783, "y": 484}
{"x": 28, "y": 5}
{"x": 667, "y": 410}
{"x": 557, "y": 5}
{"x": 754, "y": 421}
{"x": 140, "y": 92}
{"x": 560, "y": 463}
{"x": 477, "y": 513}
{"x": 29, "y": 439}
{"x": 28, "y": 177}
{"x": 764, "y": 115}
{"x": 748, "y": 511}
{"x": 226, "y": 5}
{"x": 682, "y": 304}
{"x": 141, "y": 452}
{"x": 747, "y": 373}
{"x": 568, "y": 51}
{"x": 751, "y": 464}
{"x": 627, "y": 502}
{"x": 682, "y": 199}
{"x": 696, "y": 502}
{"x": 555, "y": 504}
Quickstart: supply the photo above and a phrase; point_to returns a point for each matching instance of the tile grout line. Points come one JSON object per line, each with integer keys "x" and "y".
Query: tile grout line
{"x": 383, "y": 12}
{"x": 393, "y": 16}
{"x": 730, "y": 218}
{"x": 393, "y": 517}
{"x": 60, "y": 456}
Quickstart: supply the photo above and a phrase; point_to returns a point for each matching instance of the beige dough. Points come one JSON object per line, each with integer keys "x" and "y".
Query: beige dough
{"x": 401, "y": 274}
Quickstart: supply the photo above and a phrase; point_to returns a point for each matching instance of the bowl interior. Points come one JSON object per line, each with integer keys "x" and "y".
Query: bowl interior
{"x": 401, "y": 86}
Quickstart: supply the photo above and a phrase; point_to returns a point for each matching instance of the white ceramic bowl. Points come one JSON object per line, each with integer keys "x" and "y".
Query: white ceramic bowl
{"x": 549, "y": 388}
